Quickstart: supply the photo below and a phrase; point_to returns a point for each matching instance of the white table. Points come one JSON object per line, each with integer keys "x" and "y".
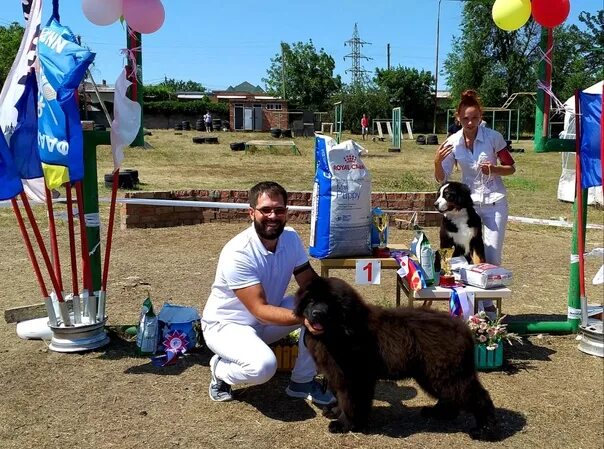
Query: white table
{"x": 437, "y": 293}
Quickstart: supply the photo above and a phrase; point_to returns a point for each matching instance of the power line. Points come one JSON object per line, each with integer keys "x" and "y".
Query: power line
{"x": 358, "y": 73}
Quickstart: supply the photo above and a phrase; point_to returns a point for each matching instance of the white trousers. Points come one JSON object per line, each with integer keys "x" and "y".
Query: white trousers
{"x": 245, "y": 357}
{"x": 494, "y": 221}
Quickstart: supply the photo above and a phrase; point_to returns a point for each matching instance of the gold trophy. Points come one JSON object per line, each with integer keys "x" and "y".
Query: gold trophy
{"x": 380, "y": 222}
{"x": 446, "y": 277}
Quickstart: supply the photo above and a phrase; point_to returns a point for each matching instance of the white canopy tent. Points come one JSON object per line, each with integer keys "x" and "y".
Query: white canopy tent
{"x": 566, "y": 184}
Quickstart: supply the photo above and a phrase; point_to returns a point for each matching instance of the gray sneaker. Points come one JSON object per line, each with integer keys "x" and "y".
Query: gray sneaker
{"x": 219, "y": 390}
{"x": 312, "y": 391}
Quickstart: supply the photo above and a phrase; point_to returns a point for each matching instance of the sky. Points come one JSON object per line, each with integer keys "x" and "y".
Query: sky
{"x": 224, "y": 43}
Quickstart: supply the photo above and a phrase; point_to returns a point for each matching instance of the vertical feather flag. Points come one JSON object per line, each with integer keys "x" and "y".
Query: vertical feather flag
{"x": 24, "y": 142}
{"x": 63, "y": 64}
{"x": 14, "y": 85}
{"x": 591, "y": 135}
{"x": 10, "y": 182}
{"x": 126, "y": 119}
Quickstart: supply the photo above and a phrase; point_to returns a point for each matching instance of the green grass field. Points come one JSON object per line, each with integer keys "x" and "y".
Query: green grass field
{"x": 174, "y": 162}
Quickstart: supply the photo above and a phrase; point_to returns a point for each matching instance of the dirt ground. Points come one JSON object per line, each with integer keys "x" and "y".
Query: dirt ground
{"x": 548, "y": 394}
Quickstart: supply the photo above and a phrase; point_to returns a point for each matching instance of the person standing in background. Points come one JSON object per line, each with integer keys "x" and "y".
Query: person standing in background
{"x": 364, "y": 126}
{"x": 208, "y": 121}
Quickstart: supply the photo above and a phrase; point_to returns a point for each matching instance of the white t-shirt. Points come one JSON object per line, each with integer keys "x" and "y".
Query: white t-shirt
{"x": 485, "y": 189}
{"x": 243, "y": 262}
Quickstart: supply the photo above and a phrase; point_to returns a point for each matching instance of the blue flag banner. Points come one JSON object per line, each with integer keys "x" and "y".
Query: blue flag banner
{"x": 10, "y": 182}
{"x": 24, "y": 142}
{"x": 63, "y": 64}
{"x": 591, "y": 135}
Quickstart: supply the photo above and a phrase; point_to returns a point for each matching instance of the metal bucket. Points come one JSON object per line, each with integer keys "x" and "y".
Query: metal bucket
{"x": 81, "y": 337}
{"x": 592, "y": 339}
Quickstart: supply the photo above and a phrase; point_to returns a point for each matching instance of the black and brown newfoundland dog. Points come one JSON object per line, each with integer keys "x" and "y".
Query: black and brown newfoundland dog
{"x": 361, "y": 343}
{"x": 461, "y": 226}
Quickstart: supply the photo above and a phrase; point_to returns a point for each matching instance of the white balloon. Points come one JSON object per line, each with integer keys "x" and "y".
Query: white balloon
{"x": 102, "y": 12}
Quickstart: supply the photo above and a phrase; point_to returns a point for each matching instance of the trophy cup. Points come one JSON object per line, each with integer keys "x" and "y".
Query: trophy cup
{"x": 446, "y": 277}
{"x": 380, "y": 221}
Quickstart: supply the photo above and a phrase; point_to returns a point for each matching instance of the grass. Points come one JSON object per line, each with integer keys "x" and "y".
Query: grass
{"x": 174, "y": 162}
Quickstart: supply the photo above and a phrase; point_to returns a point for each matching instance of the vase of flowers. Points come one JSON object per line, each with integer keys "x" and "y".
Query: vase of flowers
{"x": 489, "y": 336}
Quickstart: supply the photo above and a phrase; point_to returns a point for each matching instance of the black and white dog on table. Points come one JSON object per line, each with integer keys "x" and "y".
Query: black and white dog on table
{"x": 461, "y": 226}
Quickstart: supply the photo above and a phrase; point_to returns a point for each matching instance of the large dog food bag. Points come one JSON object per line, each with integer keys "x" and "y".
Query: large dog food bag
{"x": 341, "y": 201}
{"x": 485, "y": 275}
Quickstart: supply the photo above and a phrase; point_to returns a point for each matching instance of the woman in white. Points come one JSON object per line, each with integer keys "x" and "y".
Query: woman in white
{"x": 483, "y": 156}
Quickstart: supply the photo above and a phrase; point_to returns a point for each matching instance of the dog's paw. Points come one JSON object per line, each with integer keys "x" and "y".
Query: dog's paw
{"x": 331, "y": 412}
{"x": 486, "y": 433}
{"x": 337, "y": 427}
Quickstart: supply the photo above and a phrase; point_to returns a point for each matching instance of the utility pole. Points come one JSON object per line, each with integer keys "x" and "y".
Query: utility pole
{"x": 283, "y": 69}
{"x": 358, "y": 73}
{"x": 388, "y": 53}
{"x": 436, "y": 69}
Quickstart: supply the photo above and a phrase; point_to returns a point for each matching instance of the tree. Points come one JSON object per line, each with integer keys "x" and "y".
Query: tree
{"x": 492, "y": 61}
{"x": 172, "y": 85}
{"x": 302, "y": 75}
{"x": 408, "y": 88}
{"x": 358, "y": 101}
{"x": 10, "y": 40}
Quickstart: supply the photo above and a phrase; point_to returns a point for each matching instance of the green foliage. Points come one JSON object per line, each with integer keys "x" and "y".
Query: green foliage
{"x": 10, "y": 40}
{"x": 359, "y": 101}
{"x": 186, "y": 107}
{"x": 578, "y": 55}
{"x": 157, "y": 92}
{"x": 173, "y": 85}
{"x": 308, "y": 75}
{"x": 408, "y": 88}
{"x": 494, "y": 62}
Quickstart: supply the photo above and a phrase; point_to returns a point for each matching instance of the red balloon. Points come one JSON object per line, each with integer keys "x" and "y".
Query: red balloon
{"x": 550, "y": 13}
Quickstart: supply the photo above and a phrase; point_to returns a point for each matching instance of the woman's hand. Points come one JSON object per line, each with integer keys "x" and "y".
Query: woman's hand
{"x": 443, "y": 151}
{"x": 487, "y": 168}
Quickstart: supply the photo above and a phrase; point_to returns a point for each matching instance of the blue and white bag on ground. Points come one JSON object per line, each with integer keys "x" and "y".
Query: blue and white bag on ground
{"x": 341, "y": 201}
{"x": 178, "y": 318}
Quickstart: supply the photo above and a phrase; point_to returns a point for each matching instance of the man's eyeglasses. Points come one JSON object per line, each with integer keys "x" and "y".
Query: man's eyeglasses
{"x": 266, "y": 211}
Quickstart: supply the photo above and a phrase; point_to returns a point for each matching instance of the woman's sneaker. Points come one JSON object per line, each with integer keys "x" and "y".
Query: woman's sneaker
{"x": 312, "y": 391}
{"x": 219, "y": 390}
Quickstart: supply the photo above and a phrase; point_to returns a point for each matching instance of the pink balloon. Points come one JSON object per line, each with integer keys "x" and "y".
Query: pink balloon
{"x": 550, "y": 13}
{"x": 144, "y": 16}
{"x": 102, "y": 12}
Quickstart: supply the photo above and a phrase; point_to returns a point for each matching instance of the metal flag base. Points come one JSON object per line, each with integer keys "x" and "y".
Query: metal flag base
{"x": 82, "y": 337}
{"x": 592, "y": 339}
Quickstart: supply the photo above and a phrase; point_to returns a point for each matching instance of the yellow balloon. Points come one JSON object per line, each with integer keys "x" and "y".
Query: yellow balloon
{"x": 509, "y": 15}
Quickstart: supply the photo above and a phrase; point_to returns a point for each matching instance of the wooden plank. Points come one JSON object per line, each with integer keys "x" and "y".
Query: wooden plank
{"x": 30, "y": 312}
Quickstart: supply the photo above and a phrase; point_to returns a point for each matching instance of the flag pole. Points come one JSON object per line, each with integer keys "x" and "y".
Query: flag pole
{"x": 72, "y": 256}
{"x": 32, "y": 257}
{"x": 54, "y": 247}
{"x": 86, "y": 269}
{"x": 114, "y": 186}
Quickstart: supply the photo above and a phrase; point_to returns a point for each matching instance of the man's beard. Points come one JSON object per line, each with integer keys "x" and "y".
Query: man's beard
{"x": 269, "y": 233}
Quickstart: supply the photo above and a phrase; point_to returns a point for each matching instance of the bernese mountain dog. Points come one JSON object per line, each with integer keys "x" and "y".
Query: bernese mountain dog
{"x": 461, "y": 225}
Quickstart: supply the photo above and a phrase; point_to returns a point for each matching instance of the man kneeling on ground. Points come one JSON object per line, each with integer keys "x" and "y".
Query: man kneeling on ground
{"x": 247, "y": 310}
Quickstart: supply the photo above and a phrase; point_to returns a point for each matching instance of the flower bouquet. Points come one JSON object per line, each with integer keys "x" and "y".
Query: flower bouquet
{"x": 489, "y": 336}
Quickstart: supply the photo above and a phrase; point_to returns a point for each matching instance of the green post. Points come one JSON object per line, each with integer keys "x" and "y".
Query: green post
{"x": 134, "y": 41}
{"x": 543, "y": 143}
{"x": 396, "y": 128}
{"x": 574, "y": 294}
{"x": 339, "y": 118}
{"x": 91, "y": 199}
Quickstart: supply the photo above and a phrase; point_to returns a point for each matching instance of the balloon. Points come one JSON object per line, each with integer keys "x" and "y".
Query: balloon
{"x": 144, "y": 16}
{"x": 550, "y": 13}
{"x": 509, "y": 15}
{"x": 102, "y": 12}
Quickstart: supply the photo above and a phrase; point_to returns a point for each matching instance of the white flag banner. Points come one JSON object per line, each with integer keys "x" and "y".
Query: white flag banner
{"x": 126, "y": 119}
{"x": 14, "y": 84}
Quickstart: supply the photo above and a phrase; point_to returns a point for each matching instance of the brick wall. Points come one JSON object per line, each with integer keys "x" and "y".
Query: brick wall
{"x": 142, "y": 216}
